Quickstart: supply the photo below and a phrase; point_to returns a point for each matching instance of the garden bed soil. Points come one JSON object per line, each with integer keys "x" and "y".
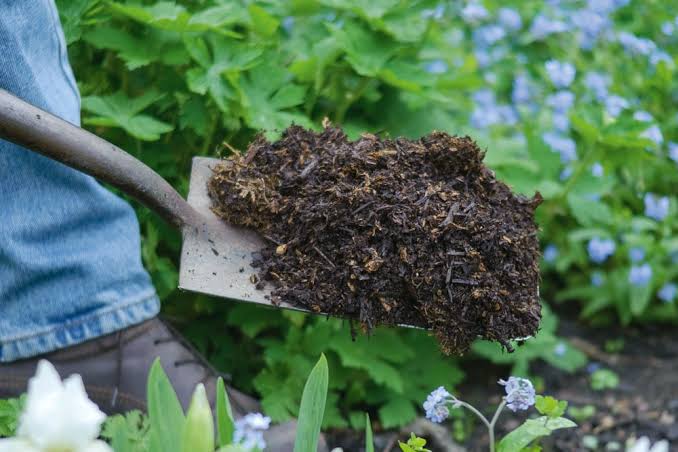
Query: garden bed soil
{"x": 388, "y": 231}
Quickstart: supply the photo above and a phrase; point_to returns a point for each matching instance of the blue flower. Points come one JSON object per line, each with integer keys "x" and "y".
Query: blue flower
{"x": 658, "y": 56}
{"x": 561, "y": 122}
{"x": 591, "y": 24}
{"x": 561, "y": 101}
{"x": 519, "y": 393}
{"x": 635, "y": 45}
{"x": 560, "y": 349}
{"x": 436, "y": 67}
{"x": 600, "y": 249}
{"x": 474, "y": 12}
{"x": 521, "y": 93}
{"x": 667, "y": 28}
{"x": 542, "y": 27}
{"x": 561, "y": 73}
{"x": 487, "y": 35}
{"x": 615, "y": 104}
{"x": 566, "y": 173}
{"x": 597, "y": 170}
{"x": 249, "y": 431}
{"x": 597, "y": 279}
{"x": 435, "y": 14}
{"x": 288, "y": 24}
{"x": 654, "y": 133}
{"x": 565, "y": 146}
{"x": 510, "y": 19}
{"x": 668, "y": 293}
{"x": 592, "y": 367}
{"x": 656, "y": 207}
{"x": 550, "y": 253}
{"x": 436, "y": 405}
{"x": 597, "y": 83}
{"x": 673, "y": 151}
{"x": 640, "y": 275}
{"x": 642, "y": 116}
{"x": 637, "y": 254}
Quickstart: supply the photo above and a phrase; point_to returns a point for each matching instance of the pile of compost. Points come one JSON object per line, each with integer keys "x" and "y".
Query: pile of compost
{"x": 388, "y": 232}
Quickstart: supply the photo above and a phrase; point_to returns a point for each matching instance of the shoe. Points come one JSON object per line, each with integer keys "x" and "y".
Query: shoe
{"x": 114, "y": 369}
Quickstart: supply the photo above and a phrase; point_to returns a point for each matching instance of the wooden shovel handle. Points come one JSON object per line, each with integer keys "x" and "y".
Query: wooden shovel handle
{"x": 35, "y": 129}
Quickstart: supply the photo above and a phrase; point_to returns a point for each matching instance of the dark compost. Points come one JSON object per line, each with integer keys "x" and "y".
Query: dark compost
{"x": 388, "y": 231}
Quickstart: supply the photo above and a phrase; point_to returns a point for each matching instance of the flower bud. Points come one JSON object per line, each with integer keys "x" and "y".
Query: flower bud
{"x": 198, "y": 435}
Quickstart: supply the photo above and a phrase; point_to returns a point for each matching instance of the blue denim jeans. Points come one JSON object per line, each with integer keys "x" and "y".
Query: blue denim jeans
{"x": 70, "y": 264}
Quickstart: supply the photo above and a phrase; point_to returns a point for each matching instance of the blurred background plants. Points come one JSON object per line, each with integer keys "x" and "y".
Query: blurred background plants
{"x": 574, "y": 99}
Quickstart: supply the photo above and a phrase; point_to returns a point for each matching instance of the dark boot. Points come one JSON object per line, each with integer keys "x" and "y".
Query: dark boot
{"x": 114, "y": 369}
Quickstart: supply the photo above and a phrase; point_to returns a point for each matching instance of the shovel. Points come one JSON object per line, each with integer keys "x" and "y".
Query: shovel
{"x": 215, "y": 257}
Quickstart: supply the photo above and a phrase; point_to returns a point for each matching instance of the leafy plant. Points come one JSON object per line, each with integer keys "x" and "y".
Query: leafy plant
{"x": 10, "y": 410}
{"x": 603, "y": 379}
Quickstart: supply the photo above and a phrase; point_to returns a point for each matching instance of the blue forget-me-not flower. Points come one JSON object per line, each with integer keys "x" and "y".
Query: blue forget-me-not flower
{"x": 436, "y": 405}
{"x": 249, "y": 431}
{"x": 561, "y": 73}
{"x": 550, "y": 253}
{"x": 600, "y": 249}
{"x": 656, "y": 207}
{"x": 640, "y": 275}
{"x": 668, "y": 292}
{"x": 519, "y": 393}
{"x": 637, "y": 254}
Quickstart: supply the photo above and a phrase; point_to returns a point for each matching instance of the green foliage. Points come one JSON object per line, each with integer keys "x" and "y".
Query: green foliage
{"x": 531, "y": 430}
{"x": 413, "y": 444}
{"x": 603, "y": 379}
{"x": 10, "y": 411}
{"x": 164, "y": 411}
{"x": 198, "y": 431}
{"x": 312, "y": 408}
{"x": 225, "y": 425}
{"x": 549, "y": 406}
{"x": 127, "y": 433}
{"x": 170, "y": 80}
{"x": 582, "y": 413}
{"x": 545, "y": 345}
{"x": 369, "y": 442}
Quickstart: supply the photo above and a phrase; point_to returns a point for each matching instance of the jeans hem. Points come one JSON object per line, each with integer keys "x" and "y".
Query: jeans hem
{"x": 79, "y": 330}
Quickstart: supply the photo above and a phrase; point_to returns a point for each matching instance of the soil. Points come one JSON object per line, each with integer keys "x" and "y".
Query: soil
{"x": 645, "y": 403}
{"x": 388, "y": 231}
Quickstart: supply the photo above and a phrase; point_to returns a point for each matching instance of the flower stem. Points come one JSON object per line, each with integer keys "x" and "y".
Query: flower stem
{"x": 489, "y": 424}
{"x": 493, "y": 422}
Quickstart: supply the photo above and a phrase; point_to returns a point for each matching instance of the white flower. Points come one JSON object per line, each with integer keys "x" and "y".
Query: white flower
{"x": 249, "y": 431}
{"x": 643, "y": 445}
{"x": 58, "y": 416}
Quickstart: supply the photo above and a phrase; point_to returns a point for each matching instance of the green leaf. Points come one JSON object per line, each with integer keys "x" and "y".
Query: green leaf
{"x": 367, "y": 52}
{"x": 72, "y": 13}
{"x": 135, "y": 51}
{"x": 397, "y": 411}
{"x": 10, "y": 411}
{"x": 262, "y": 22}
{"x": 639, "y": 298}
{"x": 225, "y": 425}
{"x": 603, "y": 379}
{"x": 164, "y": 411}
{"x": 530, "y": 430}
{"x": 589, "y": 212}
{"x": 267, "y": 95}
{"x": 369, "y": 442}
{"x": 118, "y": 110}
{"x": 550, "y": 406}
{"x": 198, "y": 433}
{"x": 128, "y": 433}
{"x": 312, "y": 408}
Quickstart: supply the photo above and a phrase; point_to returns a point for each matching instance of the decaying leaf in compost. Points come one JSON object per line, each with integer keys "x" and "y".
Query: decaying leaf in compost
{"x": 388, "y": 232}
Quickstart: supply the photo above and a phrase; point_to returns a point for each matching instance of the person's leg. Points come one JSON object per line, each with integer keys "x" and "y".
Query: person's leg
{"x": 70, "y": 266}
{"x": 72, "y": 286}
